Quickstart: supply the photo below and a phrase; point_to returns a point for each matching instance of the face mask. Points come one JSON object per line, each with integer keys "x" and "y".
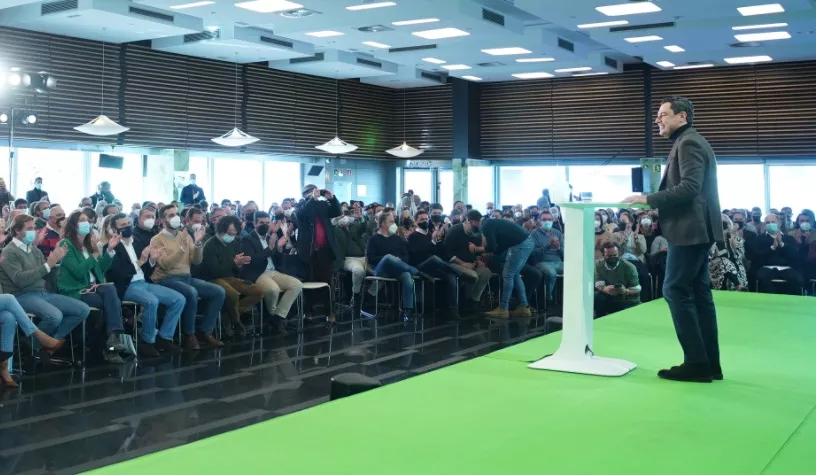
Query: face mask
{"x": 29, "y": 236}
{"x": 344, "y": 208}
{"x": 423, "y": 226}
{"x": 126, "y": 232}
{"x": 534, "y": 215}
{"x": 772, "y": 228}
{"x": 554, "y": 214}
{"x": 279, "y": 217}
{"x": 287, "y": 213}
{"x": 646, "y": 222}
{"x": 196, "y": 227}
{"x": 84, "y": 228}
{"x": 233, "y": 212}
{"x": 227, "y": 238}
{"x": 175, "y": 222}
{"x": 474, "y": 230}
{"x": 192, "y": 182}
{"x": 46, "y": 213}
{"x": 149, "y": 223}
{"x": 597, "y": 224}
{"x": 546, "y": 225}
{"x": 611, "y": 261}
{"x": 489, "y": 210}
{"x": 263, "y": 229}
{"x": 436, "y": 219}
{"x": 755, "y": 217}
{"x": 249, "y": 217}
{"x": 38, "y": 186}
{"x": 805, "y": 226}
{"x": 392, "y": 229}
{"x": 60, "y": 221}
{"x": 725, "y": 225}
{"x": 345, "y": 221}
{"x": 518, "y": 214}
{"x": 456, "y": 220}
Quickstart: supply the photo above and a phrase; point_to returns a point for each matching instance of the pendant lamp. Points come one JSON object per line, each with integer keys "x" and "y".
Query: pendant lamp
{"x": 404, "y": 150}
{"x": 337, "y": 146}
{"x": 102, "y": 126}
{"x": 235, "y": 137}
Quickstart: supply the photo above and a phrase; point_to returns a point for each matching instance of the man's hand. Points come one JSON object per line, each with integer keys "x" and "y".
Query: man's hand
{"x": 40, "y": 236}
{"x": 358, "y": 213}
{"x": 157, "y": 253}
{"x": 609, "y": 290}
{"x": 56, "y": 255}
{"x": 145, "y": 254}
{"x": 282, "y": 241}
{"x": 472, "y": 248}
{"x": 184, "y": 234}
{"x": 274, "y": 227}
{"x": 242, "y": 260}
{"x": 328, "y": 194}
{"x": 114, "y": 241}
{"x": 555, "y": 243}
{"x": 199, "y": 235}
{"x": 636, "y": 200}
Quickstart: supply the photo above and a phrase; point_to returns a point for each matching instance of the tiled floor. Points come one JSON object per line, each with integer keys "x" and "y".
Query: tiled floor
{"x": 66, "y": 421}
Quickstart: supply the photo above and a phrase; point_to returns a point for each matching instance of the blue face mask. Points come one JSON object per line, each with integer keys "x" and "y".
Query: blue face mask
{"x": 546, "y": 225}
{"x": 29, "y": 236}
{"x": 84, "y": 228}
{"x": 772, "y": 228}
{"x": 228, "y": 238}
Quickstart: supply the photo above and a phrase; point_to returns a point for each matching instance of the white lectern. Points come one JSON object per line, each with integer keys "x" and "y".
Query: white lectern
{"x": 575, "y": 353}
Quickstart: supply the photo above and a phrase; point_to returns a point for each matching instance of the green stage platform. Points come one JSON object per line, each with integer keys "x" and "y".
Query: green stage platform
{"x": 493, "y": 415}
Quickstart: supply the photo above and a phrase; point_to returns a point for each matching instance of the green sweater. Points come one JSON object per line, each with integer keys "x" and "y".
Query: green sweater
{"x": 22, "y": 271}
{"x": 76, "y": 268}
{"x": 624, "y": 274}
{"x": 219, "y": 259}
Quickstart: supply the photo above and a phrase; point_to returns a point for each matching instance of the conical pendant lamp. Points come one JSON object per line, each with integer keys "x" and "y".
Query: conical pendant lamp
{"x": 404, "y": 150}
{"x": 102, "y": 126}
{"x": 235, "y": 137}
{"x": 337, "y": 146}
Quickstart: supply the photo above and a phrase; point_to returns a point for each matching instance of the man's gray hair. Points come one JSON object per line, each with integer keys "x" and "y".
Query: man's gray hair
{"x": 681, "y": 104}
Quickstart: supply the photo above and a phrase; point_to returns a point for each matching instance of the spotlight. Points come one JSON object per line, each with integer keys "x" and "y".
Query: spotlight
{"x": 29, "y": 119}
{"x": 43, "y": 82}
{"x": 15, "y": 79}
{"x": 3, "y": 118}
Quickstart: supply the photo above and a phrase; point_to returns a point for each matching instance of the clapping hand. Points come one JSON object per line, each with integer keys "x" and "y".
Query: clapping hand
{"x": 555, "y": 243}
{"x": 95, "y": 243}
{"x": 56, "y": 255}
{"x": 157, "y": 253}
{"x": 145, "y": 254}
{"x": 40, "y": 236}
{"x": 114, "y": 241}
{"x": 184, "y": 234}
{"x": 242, "y": 260}
{"x": 199, "y": 235}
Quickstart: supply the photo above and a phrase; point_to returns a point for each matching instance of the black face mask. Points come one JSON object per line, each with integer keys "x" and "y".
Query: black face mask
{"x": 534, "y": 215}
{"x": 279, "y": 217}
{"x": 740, "y": 224}
{"x": 725, "y": 226}
{"x": 611, "y": 261}
{"x": 249, "y": 218}
{"x": 126, "y": 232}
{"x": 436, "y": 219}
{"x": 756, "y": 217}
{"x": 423, "y": 225}
{"x": 263, "y": 229}
{"x": 407, "y": 223}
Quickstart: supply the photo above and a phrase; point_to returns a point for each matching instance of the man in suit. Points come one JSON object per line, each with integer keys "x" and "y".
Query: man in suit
{"x": 689, "y": 206}
{"x": 37, "y": 194}
{"x": 192, "y": 193}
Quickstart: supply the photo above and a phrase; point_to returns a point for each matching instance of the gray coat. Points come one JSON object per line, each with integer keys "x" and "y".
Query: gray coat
{"x": 688, "y": 200}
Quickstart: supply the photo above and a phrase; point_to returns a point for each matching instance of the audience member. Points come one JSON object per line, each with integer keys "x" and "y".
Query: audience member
{"x": 387, "y": 254}
{"x": 37, "y": 194}
{"x": 351, "y": 247}
{"x": 192, "y": 193}
{"x": 50, "y": 235}
{"x": 776, "y": 259}
{"x": 726, "y": 264}
{"x": 548, "y": 253}
{"x": 460, "y": 249}
{"x": 616, "y": 282}
{"x": 11, "y": 316}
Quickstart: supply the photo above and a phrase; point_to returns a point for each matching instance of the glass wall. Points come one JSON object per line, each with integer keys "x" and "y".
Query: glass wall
{"x": 523, "y": 185}
{"x": 480, "y": 187}
{"x": 126, "y": 183}
{"x": 281, "y": 180}
{"x": 421, "y": 181}
{"x": 237, "y": 179}
{"x": 446, "y": 189}
{"x": 63, "y": 174}
{"x": 741, "y": 186}
{"x": 608, "y": 183}
{"x": 792, "y": 185}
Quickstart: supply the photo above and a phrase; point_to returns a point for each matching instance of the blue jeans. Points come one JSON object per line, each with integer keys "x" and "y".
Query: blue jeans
{"x": 58, "y": 314}
{"x": 393, "y": 268}
{"x": 107, "y": 301}
{"x": 436, "y": 267}
{"x": 149, "y": 296}
{"x": 212, "y": 296}
{"x": 12, "y": 315}
{"x": 550, "y": 269}
{"x": 687, "y": 289}
{"x": 511, "y": 274}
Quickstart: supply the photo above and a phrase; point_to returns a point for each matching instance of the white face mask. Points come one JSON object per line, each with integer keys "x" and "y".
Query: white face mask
{"x": 597, "y": 224}
{"x": 46, "y": 213}
{"x": 175, "y": 222}
{"x": 392, "y": 229}
{"x": 149, "y": 223}
{"x": 287, "y": 213}
{"x": 518, "y": 214}
{"x": 344, "y": 221}
{"x": 646, "y": 222}
{"x": 196, "y": 227}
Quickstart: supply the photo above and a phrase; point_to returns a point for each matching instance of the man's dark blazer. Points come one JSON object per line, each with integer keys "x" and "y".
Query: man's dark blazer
{"x": 688, "y": 200}
{"x": 251, "y": 246}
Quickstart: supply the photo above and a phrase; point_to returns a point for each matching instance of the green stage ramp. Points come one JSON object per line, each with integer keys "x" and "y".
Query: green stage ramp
{"x": 493, "y": 415}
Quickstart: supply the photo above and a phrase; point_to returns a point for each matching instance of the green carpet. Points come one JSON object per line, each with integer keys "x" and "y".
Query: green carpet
{"x": 492, "y": 415}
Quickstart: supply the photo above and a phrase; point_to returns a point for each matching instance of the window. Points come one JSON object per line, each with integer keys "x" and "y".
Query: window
{"x": 237, "y": 179}
{"x": 446, "y": 189}
{"x": 480, "y": 187}
{"x": 4, "y": 171}
{"x": 201, "y": 167}
{"x": 523, "y": 185}
{"x": 281, "y": 180}
{"x": 741, "y": 186}
{"x": 792, "y": 186}
{"x": 421, "y": 182}
{"x": 63, "y": 174}
{"x": 607, "y": 183}
{"x": 126, "y": 182}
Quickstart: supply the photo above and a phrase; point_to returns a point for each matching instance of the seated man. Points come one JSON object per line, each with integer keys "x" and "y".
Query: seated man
{"x": 221, "y": 264}
{"x": 616, "y": 282}
{"x": 461, "y": 248}
{"x": 41, "y": 210}
{"x": 424, "y": 251}
{"x": 22, "y": 274}
{"x": 173, "y": 271}
{"x": 549, "y": 252}
{"x": 351, "y": 247}
{"x": 145, "y": 228}
{"x": 387, "y": 254}
{"x": 776, "y": 257}
{"x": 49, "y": 236}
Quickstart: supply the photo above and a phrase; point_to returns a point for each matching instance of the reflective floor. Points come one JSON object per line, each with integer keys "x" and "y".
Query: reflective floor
{"x": 65, "y": 421}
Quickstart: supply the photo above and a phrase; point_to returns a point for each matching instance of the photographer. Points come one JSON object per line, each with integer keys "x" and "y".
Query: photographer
{"x": 616, "y": 282}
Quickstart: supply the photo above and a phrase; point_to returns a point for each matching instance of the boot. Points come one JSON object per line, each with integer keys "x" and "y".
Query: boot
{"x": 5, "y": 378}
{"x": 114, "y": 343}
{"x": 498, "y": 313}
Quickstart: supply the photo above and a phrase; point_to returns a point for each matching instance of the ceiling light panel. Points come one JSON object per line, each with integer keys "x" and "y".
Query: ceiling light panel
{"x": 603, "y": 24}
{"x": 695, "y": 66}
{"x": 456, "y": 67}
{"x": 440, "y": 33}
{"x": 190, "y": 5}
{"x": 674, "y": 49}
{"x": 434, "y": 60}
{"x": 472, "y": 78}
{"x": 761, "y": 9}
{"x": 643, "y": 39}
{"x": 369, "y": 6}
{"x": 768, "y": 36}
{"x": 748, "y": 60}
{"x": 634, "y": 8}
{"x": 374, "y": 44}
{"x": 268, "y": 6}
{"x": 532, "y": 75}
{"x": 535, "y": 60}
{"x": 600, "y": 73}
{"x": 419, "y": 21}
{"x": 665, "y": 64}
{"x": 574, "y": 70}
{"x": 506, "y": 51}
{"x": 759, "y": 27}
{"x": 325, "y": 34}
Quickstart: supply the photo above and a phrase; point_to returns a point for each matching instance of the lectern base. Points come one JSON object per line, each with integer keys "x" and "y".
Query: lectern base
{"x": 587, "y": 365}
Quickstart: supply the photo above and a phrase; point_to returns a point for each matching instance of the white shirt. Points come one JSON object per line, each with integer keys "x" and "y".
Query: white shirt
{"x": 264, "y": 245}
{"x": 128, "y": 245}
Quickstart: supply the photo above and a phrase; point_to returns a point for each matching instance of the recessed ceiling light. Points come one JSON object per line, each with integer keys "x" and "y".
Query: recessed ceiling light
{"x": 633, "y": 8}
{"x": 674, "y": 48}
{"x": 532, "y": 75}
{"x": 695, "y": 66}
{"x": 748, "y": 59}
{"x": 456, "y": 67}
{"x": 768, "y": 36}
{"x": 268, "y": 6}
{"x": 415, "y": 22}
{"x": 665, "y": 64}
{"x": 599, "y": 73}
{"x": 440, "y": 33}
{"x": 375, "y": 44}
{"x": 643, "y": 39}
{"x": 574, "y": 70}
{"x": 369, "y": 6}
{"x": 190, "y": 5}
{"x": 603, "y": 24}
{"x": 506, "y": 51}
{"x": 325, "y": 34}
{"x": 759, "y": 27}
{"x": 472, "y": 78}
{"x": 535, "y": 60}
{"x": 434, "y": 60}
{"x": 761, "y": 9}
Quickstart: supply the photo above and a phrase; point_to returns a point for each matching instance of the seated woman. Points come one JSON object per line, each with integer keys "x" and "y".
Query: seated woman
{"x": 11, "y": 315}
{"x": 82, "y": 276}
{"x": 726, "y": 260}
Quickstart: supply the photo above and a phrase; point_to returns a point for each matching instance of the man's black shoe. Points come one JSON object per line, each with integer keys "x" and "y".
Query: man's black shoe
{"x": 716, "y": 372}
{"x": 687, "y": 372}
